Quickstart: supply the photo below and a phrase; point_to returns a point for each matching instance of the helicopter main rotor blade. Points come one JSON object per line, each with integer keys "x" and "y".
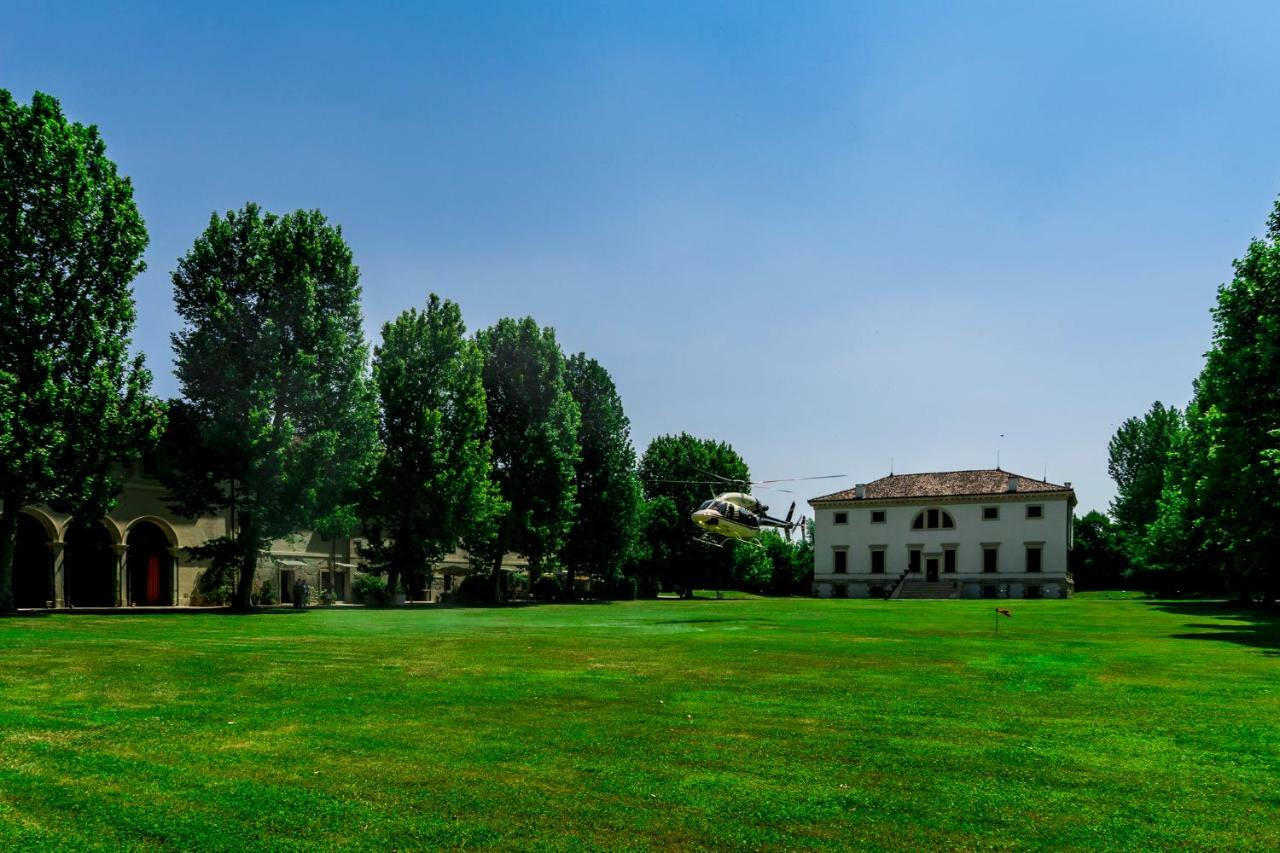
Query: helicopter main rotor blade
{"x": 797, "y": 479}
{"x": 689, "y": 482}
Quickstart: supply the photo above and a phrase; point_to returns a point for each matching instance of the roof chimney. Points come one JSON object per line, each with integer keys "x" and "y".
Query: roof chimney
{"x": 1067, "y": 484}
{"x": 1013, "y": 483}
{"x": 860, "y": 490}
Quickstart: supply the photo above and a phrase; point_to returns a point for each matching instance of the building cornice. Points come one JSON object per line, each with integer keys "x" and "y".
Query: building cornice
{"x": 1002, "y": 497}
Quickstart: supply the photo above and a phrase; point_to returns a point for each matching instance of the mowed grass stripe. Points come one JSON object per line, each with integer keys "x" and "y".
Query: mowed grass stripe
{"x": 692, "y": 724}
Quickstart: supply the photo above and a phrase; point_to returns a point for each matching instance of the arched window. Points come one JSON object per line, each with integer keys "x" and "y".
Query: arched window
{"x": 933, "y": 519}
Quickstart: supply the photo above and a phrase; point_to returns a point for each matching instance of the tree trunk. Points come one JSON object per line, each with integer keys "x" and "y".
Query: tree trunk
{"x": 566, "y": 594}
{"x": 243, "y": 600}
{"x": 497, "y": 575}
{"x": 393, "y": 578}
{"x": 8, "y": 547}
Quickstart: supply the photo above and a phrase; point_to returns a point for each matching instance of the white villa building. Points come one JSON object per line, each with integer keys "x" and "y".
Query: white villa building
{"x": 949, "y": 534}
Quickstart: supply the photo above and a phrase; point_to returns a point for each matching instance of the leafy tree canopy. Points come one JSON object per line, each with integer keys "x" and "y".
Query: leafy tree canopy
{"x": 532, "y": 431}
{"x": 73, "y": 401}
{"x": 1138, "y": 454}
{"x": 1097, "y": 560}
{"x": 431, "y": 487}
{"x": 272, "y": 362}
{"x": 607, "y": 488}
{"x": 1238, "y": 399}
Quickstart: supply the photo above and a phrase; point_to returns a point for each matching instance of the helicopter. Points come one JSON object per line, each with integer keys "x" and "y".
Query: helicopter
{"x": 739, "y": 516}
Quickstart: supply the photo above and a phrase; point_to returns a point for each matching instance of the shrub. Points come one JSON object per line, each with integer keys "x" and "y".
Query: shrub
{"x": 547, "y": 588}
{"x": 648, "y": 587}
{"x": 621, "y": 588}
{"x": 215, "y": 585}
{"x": 267, "y": 593}
{"x": 474, "y": 588}
{"x": 369, "y": 589}
{"x": 327, "y": 597}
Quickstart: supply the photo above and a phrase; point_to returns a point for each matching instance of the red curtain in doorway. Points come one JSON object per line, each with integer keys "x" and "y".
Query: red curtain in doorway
{"x": 153, "y": 579}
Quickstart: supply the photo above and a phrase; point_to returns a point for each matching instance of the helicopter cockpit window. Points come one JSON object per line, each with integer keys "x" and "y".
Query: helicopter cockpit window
{"x": 706, "y": 504}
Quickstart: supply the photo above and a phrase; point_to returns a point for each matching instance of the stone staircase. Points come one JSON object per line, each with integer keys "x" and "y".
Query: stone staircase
{"x": 911, "y": 588}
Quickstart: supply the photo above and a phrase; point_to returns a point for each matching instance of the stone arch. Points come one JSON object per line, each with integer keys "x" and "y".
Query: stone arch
{"x": 113, "y": 530}
{"x": 44, "y": 520}
{"x": 149, "y": 563}
{"x": 33, "y": 559}
{"x": 89, "y": 563}
{"x": 170, "y": 535}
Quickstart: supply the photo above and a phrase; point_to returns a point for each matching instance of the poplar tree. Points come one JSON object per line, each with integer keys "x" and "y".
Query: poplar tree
{"x": 532, "y": 432}
{"x": 1238, "y": 404}
{"x": 73, "y": 402}
{"x": 608, "y": 491}
{"x": 272, "y": 362}
{"x": 430, "y": 490}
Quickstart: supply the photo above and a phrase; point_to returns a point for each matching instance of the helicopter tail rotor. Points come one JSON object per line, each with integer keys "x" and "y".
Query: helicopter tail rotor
{"x": 789, "y": 525}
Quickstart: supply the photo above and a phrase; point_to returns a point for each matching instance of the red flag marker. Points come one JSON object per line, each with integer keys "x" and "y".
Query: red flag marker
{"x": 1004, "y": 612}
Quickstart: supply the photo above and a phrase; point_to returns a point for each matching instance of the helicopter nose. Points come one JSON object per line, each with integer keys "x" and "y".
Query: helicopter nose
{"x": 705, "y": 518}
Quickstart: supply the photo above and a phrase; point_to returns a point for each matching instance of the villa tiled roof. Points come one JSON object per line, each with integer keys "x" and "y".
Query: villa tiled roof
{"x": 943, "y": 484}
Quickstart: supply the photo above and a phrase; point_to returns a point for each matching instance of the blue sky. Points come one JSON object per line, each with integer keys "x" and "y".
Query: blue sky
{"x": 830, "y": 234}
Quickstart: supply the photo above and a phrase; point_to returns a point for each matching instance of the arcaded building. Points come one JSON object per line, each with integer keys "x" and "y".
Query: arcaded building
{"x": 136, "y": 556}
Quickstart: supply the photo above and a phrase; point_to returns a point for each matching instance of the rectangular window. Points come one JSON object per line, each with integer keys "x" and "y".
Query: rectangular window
{"x": 1031, "y": 591}
{"x": 933, "y": 519}
{"x": 913, "y": 559}
{"x": 841, "y": 561}
{"x": 840, "y": 591}
{"x": 1035, "y": 511}
{"x": 990, "y": 513}
{"x": 949, "y": 561}
{"x": 877, "y": 516}
{"x": 990, "y": 559}
{"x": 840, "y": 518}
{"x": 876, "y": 591}
{"x": 990, "y": 591}
{"x": 877, "y": 561}
{"x": 1033, "y": 558}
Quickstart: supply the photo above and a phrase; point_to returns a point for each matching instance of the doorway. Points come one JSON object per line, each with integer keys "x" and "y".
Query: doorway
{"x": 32, "y": 565}
{"x": 150, "y": 566}
{"x": 90, "y": 565}
{"x": 931, "y": 568}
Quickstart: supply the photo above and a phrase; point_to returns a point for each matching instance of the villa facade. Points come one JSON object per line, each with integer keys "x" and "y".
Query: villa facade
{"x": 950, "y": 534}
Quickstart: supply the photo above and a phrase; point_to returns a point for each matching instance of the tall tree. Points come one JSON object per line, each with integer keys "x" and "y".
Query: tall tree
{"x": 73, "y": 401}
{"x": 1138, "y": 457}
{"x": 532, "y": 432}
{"x": 273, "y": 363}
{"x": 607, "y": 488}
{"x": 1238, "y": 397}
{"x": 674, "y": 470}
{"x": 431, "y": 487}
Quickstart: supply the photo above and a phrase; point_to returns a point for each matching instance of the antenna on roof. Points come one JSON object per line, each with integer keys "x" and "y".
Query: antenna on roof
{"x": 998, "y": 452}
{"x": 890, "y": 466}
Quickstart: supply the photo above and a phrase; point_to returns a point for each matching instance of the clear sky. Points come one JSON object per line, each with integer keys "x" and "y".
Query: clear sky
{"x": 830, "y": 234}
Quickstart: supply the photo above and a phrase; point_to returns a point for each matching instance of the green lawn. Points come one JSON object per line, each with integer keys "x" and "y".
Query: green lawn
{"x": 1088, "y": 723}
